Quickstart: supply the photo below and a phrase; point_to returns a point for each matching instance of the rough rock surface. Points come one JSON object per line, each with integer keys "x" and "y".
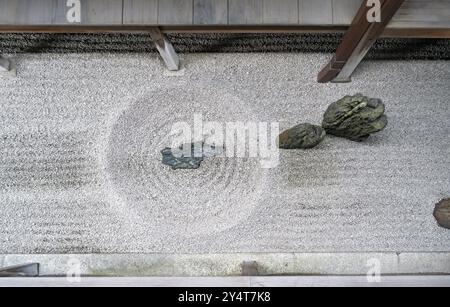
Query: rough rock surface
{"x": 303, "y": 136}
{"x": 442, "y": 213}
{"x": 355, "y": 117}
{"x": 184, "y": 159}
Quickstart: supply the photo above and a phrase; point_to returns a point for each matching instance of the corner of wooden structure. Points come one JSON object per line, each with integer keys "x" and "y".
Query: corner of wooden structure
{"x": 357, "y": 41}
{"x": 165, "y": 49}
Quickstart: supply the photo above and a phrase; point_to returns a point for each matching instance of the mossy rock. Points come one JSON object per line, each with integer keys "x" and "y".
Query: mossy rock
{"x": 303, "y": 136}
{"x": 355, "y": 117}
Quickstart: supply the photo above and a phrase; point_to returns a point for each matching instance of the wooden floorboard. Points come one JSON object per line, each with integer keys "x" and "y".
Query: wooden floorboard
{"x": 23, "y": 12}
{"x": 280, "y": 12}
{"x": 316, "y": 12}
{"x": 413, "y": 14}
{"x": 423, "y": 14}
{"x": 389, "y": 32}
{"x": 208, "y": 12}
{"x": 136, "y": 12}
{"x": 175, "y": 12}
{"x": 245, "y": 12}
{"x": 345, "y": 10}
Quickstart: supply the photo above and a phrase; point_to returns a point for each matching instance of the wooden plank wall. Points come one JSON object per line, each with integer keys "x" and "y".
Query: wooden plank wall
{"x": 207, "y": 12}
{"x": 316, "y": 12}
{"x": 245, "y": 12}
{"x": 16, "y": 12}
{"x": 175, "y": 12}
{"x": 96, "y": 12}
{"x": 136, "y": 12}
{"x": 423, "y": 14}
{"x": 345, "y": 10}
{"x": 415, "y": 13}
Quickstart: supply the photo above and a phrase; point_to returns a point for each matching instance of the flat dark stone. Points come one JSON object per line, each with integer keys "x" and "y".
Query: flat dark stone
{"x": 192, "y": 160}
{"x": 303, "y": 136}
{"x": 355, "y": 117}
{"x": 442, "y": 213}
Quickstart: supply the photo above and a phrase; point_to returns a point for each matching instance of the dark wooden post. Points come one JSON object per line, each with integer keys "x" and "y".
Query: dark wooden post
{"x": 357, "y": 41}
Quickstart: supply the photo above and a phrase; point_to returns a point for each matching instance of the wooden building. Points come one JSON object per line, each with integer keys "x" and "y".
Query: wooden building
{"x": 410, "y": 18}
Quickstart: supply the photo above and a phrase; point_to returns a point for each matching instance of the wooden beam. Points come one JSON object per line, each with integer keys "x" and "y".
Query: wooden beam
{"x": 24, "y": 270}
{"x": 417, "y": 32}
{"x": 165, "y": 49}
{"x": 171, "y": 29}
{"x": 358, "y": 40}
{"x": 389, "y": 32}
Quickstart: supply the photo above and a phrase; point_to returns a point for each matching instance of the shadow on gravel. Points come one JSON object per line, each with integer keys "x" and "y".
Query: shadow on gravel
{"x": 384, "y": 49}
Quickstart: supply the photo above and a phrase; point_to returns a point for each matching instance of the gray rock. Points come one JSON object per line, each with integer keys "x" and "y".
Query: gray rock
{"x": 179, "y": 159}
{"x": 303, "y": 136}
{"x": 442, "y": 213}
{"x": 355, "y": 117}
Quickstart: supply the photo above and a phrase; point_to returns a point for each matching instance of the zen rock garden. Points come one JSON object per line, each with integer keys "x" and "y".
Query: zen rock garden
{"x": 353, "y": 117}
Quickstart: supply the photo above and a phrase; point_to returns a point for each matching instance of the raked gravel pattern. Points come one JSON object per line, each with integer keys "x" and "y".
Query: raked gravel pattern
{"x": 80, "y": 170}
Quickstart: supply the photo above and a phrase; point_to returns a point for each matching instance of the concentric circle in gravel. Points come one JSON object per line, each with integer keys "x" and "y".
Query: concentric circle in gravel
{"x": 219, "y": 195}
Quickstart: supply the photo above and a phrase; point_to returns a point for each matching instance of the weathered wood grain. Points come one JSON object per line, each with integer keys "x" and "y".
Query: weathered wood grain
{"x": 423, "y": 14}
{"x": 426, "y": 14}
{"x": 25, "y": 12}
{"x": 316, "y": 12}
{"x": 281, "y": 12}
{"x": 175, "y": 12}
{"x": 140, "y": 12}
{"x": 245, "y": 12}
{"x": 357, "y": 42}
{"x": 210, "y": 12}
{"x": 345, "y": 10}
{"x": 93, "y": 12}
